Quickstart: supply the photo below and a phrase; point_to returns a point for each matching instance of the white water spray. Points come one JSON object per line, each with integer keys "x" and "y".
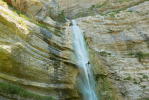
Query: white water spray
{"x": 86, "y": 81}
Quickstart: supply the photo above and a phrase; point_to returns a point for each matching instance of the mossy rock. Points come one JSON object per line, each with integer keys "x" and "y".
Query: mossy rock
{"x": 15, "y": 90}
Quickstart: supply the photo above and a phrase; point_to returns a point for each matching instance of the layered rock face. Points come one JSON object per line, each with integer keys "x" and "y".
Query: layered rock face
{"x": 119, "y": 48}
{"x": 36, "y": 57}
{"x": 82, "y": 8}
{"x": 36, "y": 54}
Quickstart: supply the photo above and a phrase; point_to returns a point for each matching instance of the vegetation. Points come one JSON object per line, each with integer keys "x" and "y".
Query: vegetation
{"x": 135, "y": 81}
{"x": 140, "y": 55}
{"x": 128, "y": 78}
{"x": 143, "y": 86}
{"x": 30, "y": 19}
{"x": 61, "y": 17}
{"x": 121, "y": 1}
{"x": 103, "y": 53}
{"x": 107, "y": 90}
{"x": 98, "y": 5}
{"x": 23, "y": 15}
{"x": 145, "y": 76}
{"x": 8, "y": 88}
{"x": 81, "y": 14}
{"x": 113, "y": 13}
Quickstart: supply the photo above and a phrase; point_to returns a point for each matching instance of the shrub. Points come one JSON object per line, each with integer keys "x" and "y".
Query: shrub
{"x": 61, "y": 17}
{"x": 145, "y": 76}
{"x": 128, "y": 78}
{"x": 103, "y": 53}
{"x": 140, "y": 55}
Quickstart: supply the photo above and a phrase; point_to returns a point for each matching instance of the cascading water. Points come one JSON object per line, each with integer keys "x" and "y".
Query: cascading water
{"x": 86, "y": 81}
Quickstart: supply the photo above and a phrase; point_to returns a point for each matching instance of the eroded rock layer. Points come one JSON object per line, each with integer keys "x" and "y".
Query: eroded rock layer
{"x": 35, "y": 56}
{"x": 119, "y": 47}
{"x": 37, "y": 59}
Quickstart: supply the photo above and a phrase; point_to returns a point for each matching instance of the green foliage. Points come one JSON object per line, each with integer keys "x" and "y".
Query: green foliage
{"x": 105, "y": 54}
{"x": 8, "y": 88}
{"x": 110, "y": 31}
{"x": 143, "y": 86}
{"x": 23, "y": 15}
{"x": 121, "y": 1}
{"x": 113, "y": 13}
{"x": 61, "y": 17}
{"x": 140, "y": 55}
{"x": 98, "y": 5}
{"x": 30, "y": 19}
{"x": 80, "y": 14}
{"x": 135, "y": 81}
{"x": 145, "y": 76}
{"x": 128, "y": 78}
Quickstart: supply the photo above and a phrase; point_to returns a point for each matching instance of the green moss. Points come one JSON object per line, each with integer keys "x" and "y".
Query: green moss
{"x": 8, "y": 88}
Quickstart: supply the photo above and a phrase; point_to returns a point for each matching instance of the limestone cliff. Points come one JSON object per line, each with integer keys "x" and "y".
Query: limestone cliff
{"x": 37, "y": 58}
{"x": 119, "y": 47}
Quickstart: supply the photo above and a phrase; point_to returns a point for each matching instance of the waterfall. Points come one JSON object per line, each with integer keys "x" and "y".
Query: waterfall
{"x": 86, "y": 80}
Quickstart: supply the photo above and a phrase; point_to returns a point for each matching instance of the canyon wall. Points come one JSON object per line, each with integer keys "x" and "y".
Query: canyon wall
{"x": 119, "y": 47}
{"x": 37, "y": 59}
